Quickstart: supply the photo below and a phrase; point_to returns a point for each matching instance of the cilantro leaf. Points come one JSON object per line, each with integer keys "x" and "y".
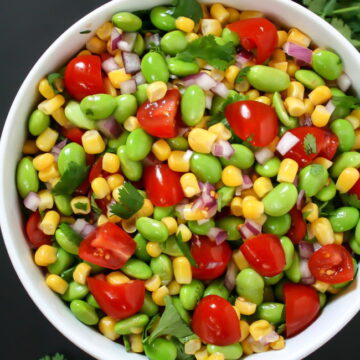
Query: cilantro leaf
{"x": 147, "y": 25}
{"x": 187, "y": 8}
{"x": 345, "y": 30}
{"x": 130, "y": 201}
{"x": 346, "y": 102}
{"x": 71, "y": 179}
{"x": 185, "y": 250}
{"x": 81, "y": 206}
{"x": 242, "y": 74}
{"x": 206, "y": 48}
{"x": 310, "y": 144}
{"x": 57, "y": 356}
{"x": 54, "y": 80}
{"x": 73, "y": 236}
{"x": 85, "y": 32}
{"x": 94, "y": 206}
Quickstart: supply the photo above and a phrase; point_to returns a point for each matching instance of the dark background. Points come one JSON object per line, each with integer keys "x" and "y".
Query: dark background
{"x": 27, "y": 28}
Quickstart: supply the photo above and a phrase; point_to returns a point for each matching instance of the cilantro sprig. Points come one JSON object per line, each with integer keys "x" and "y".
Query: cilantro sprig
{"x": 188, "y": 8}
{"x": 57, "y": 356}
{"x": 310, "y": 146}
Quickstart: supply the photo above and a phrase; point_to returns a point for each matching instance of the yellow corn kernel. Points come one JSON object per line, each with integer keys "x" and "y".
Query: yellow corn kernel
{"x": 111, "y": 163}
{"x": 323, "y": 162}
{"x": 131, "y": 123}
{"x": 136, "y": 343}
{"x": 45, "y": 89}
{"x": 170, "y": 223}
{"x": 102, "y": 220}
{"x": 60, "y": 117}
{"x": 46, "y": 200}
{"x": 92, "y": 142}
{"x": 100, "y": 187}
{"x": 244, "y": 330}
{"x": 253, "y": 94}
{"x": 354, "y": 121}
{"x": 189, "y": 214}
{"x": 178, "y": 161}
{"x": 115, "y": 181}
{"x": 84, "y": 52}
{"x": 47, "y": 139}
{"x": 186, "y": 234}
{"x": 231, "y": 73}
{"x": 115, "y": 193}
{"x": 182, "y": 270}
{"x": 294, "y": 106}
{"x": 49, "y": 106}
{"x": 174, "y": 288}
{"x": 247, "y": 346}
{"x": 249, "y": 192}
{"x": 129, "y": 225}
{"x": 80, "y": 205}
{"x": 242, "y": 86}
{"x": 287, "y": 171}
{"x": 221, "y": 131}
{"x": 95, "y": 45}
{"x": 192, "y": 346}
{"x": 321, "y": 286}
{"x": 347, "y": 179}
{"x": 201, "y": 140}
{"x": 45, "y": 255}
{"x": 280, "y": 65}
{"x": 252, "y": 208}
{"x": 260, "y": 328}
{"x": 262, "y": 186}
{"x": 282, "y": 38}
{"x": 189, "y": 185}
{"x": 202, "y": 354}
{"x": 109, "y": 89}
{"x": 231, "y": 176}
{"x": 185, "y": 24}
{"x": 156, "y": 91}
{"x": 322, "y": 230}
{"x": 234, "y": 15}
{"x": 218, "y": 12}
{"x": 50, "y": 222}
{"x": 153, "y": 283}
{"x": 49, "y": 173}
{"x": 29, "y": 147}
{"x": 278, "y": 344}
{"x": 245, "y": 307}
{"x": 52, "y": 182}
{"x": 104, "y": 31}
{"x": 159, "y": 294}
{"x": 211, "y": 27}
{"x": 107, "y": 327}
{"x": 146, "y": 210}
{"x": 339, "y": 238}
{"x": 236, "y": 206}
{"x": 296, "y": 90}
{"x": 261, "y": 220}
{"x": 117, "y": 77}
{"x": 56, "y": 283}
{"x": 153, "y": 249}
{"x": 117, "y": 278}
{"x": 191, "y": 37}
{"x": 298, "y": 37}
{"x": 41, "y": 162}
{"x": 250, "y": 14}
{"x": 278, "y": 55}
{"x": 216, "y": 356}
{"x": 356, "y": 113}
{"x": 81, "y": 273}
{"x": 161, "y": 149}
{"x": 356, "y": 145}
{"x": 240, "y": 260}
{"x": 311, "y": 211}
{"x": 320, "y": 95}
{"x": 320, "y": 116}
{"x": 263, "y": 99}
{"x": 309, "y": 106}
{"x": 292, "y": 67}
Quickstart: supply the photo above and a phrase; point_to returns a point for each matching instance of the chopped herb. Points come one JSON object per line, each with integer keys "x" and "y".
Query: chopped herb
{"x": 346, "y": 102}
{"x": 85, "y": 32}
{"x": 81, "y": 206}
{"x": 156, "y": 48}
{"x": 94, "y": 206}
{"x": 310, "y": 144}
{"x": 184, "y": 249}
{"x": 147, "y": 25}
{"x": 242, "y": 74}
{"x": 188, "y": 8}
{"x": 53, "y": 80}
{"x": 57, "y": 356}
{"x": 70, "y": 233}
{"x": 306, "y": 214}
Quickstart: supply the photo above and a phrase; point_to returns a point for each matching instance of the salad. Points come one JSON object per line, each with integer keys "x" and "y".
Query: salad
{"x": 190, "y": 181}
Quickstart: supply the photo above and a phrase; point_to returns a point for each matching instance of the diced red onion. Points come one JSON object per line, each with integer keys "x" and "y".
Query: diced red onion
{"x": 205, "y": 81}
{"x": 153, "y": 40}
{"x": 218, "y": 235}
{"x": 230, "y": 276}
{"x": 151, "y": 160}
{"x": 212, "y": 210}
{"x": 296, "y": 180}
{"x": 198, "y": 204}
{"x": 109, "y": 127}
{"x": 88, "y": 229}
{"x": 269, "y": 338}
{"x": 221, "y": 90}
{"x": 79, "y": 225}
{"x": 115, "y": 38}
{"x": 208, "y": 100}
{"x": 247, "y": 182}
{"x": 180, "y": 210}
{"x": 139, "y": 78}
{"x": 300, "y": 200}
{"x": 286, "y": 143}
{"x": 131, "y": 62}
{"x": 206, "y": 187}
{"x": 305, "y": 120}
{"x": 306, "y": 249}
{"x": 330, "y": 107}
{"x": 188, "y": 155}
{"x": 128, "y": 86}
{"x": 298, "y": 52}
{"x": 306, "y": 276}
{"x": 222, "y": 148}
{"x": 344, "y": 82}
{"x": 57, "y": 148}
{"x": 183, "y": 130}
{"x": 110, "y": 65}
{"x": 202, "y": 222}
{"x": 262, "y": 155}
{"x": 317, "y": 246}
{"x": 127, "y": 41}
{"x": 32, "y": 201}
{"x": 249, "y": 229}
{"x": 243, "y": 57}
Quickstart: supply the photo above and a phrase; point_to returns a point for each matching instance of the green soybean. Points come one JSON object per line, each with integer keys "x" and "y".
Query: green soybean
{"x": 63, "y": 261}
{"x": 72, "y": 152}
{"x": 357, "y": 232}
{"x": 139, "y": 46}
{"x": 322, "y": 299}
{"x": 162, "y": 266}
{"x": 133, "y": 170}
{"x": 293, "y": 273}
{"x": 141, "y": 93}
{"x": 161, "y": 17}
{"x": 230, "y": 352}
{"x": 268, "y": 79}
{"x": 191, "y": 293}
{"x": 182, "y": 68}
{"x": 126, "y": 106}
{"x": 328, "y": 64}
{"x": 140, "y": 251}
{"x": 137, "y": 269}
{"x": 355, "y": 246}
{"x": 126, "y": 326}
{"x": 250, "y": 285}
{"x": 327, "y": 193}
{"x": 225, "y": 195}
{"x": 341, "y": 110}
{"x": 280, "y": 200}
{"x": 77, "y": 117}
{"x": 178, "y": 143}
{"x": 127, "y": 21}
{"x": 163, "y": 211}
{"x": 84, "y": 312}
{"x": 113, "y": 144}
{"x": 217, "y": 287}
{"x": 273, "y": 312}
{"x": 67, "y": 274}
{"x": 62, "y": 203}
{"x": 273, "y": 279}
{"x": 154, "y": 68}
{"x": 170, "y": 247}
{"x": 243, "y": 157}
{"x": 345, "y": 132}
{"x": 75, "y": 291}
{"x": 312, "y": 179}
{"x": 193, "y": 105}
{"x": 281, "y": 112}
{"x": 309, "y": 79}
{"x": 151, "y": 229}
{"x": 231, "y": 225}
{"x": 344, "y": 218}
{"x": 138, "y": 145}
{"x": 69, "y": 240}
{"x": 160, "y": 349}
{"x": 277, "y": 225}
{"x": 149, "y": 308}
{"x": 289, "y": 251}
{"x": 269, "y": 169}
{"x": 26, "y": 177}
{"x": 184, "y": 314}
{"x": 343, "y": 161}
{"x": 91, "y": 300}
{"x": 97, "y": 107}
{"x": 173, "y": 42}
{"x": 201, "y": 229}
{"x": 38, "y": 122}
{"x": 232, "y": 36}
{"x": 207, "y": 168}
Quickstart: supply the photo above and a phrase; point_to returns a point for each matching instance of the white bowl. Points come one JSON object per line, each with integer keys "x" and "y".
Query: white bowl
{"x": 335, "y": 315}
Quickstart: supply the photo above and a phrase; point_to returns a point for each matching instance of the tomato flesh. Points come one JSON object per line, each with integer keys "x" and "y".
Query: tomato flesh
{"x": 34, "y": 234}
{"x": 297, "y": 230}
{"x": 73, "y": 134}
{"x": 356, "y": 189}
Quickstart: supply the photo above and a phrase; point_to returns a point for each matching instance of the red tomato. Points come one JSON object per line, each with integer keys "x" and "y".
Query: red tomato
{"x": 257, "y": 33}
{"x": 83, "y": 76}
{"x": 252, "y": 119}
{"x": 302, "y": 306}
{"x": 158, "y": 118}
{"x": 332, "y": 264}
{"x": 212, "y": 259}
{"x": 215, "y": 321}
{"x": 108, "y": 246}
{"x": 35, "y": 236}
{"x": 265, "y": 254}
{"x": 117, "y": 301}
{"x": 162, "y": 185}
{"x": 356, "y": 189}
{"x": 96, "y": 169}
{"x": 297, "y": 230}
{"x": 73, "y": 134}
{"x": 330, "y": 146}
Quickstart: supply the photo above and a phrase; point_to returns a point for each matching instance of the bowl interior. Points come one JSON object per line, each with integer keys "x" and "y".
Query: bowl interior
{"x": 335, "y": 315}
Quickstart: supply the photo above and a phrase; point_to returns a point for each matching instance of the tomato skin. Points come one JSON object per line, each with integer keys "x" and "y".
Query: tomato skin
{"x": 158, "y": 118}
{"x": 117, "y": 301}
{"x": 331, "y": 143}
{"x": 250, "y": 118}
{"x": 162, "y": 185}
{"x": 108, "y": 246}
{"x": 257, "y": 33}
{"x": 215, "y": 321}
{"x": 297, "y": 230}
{"x": 265, "y": 254}
{"x": 356, "y": 189}
{"x": 34, "y": 234}
{"x": 335, "y": 259}
{"x": 83, "y": 76}
{"x": 73, "y": 134}
{"x": 302, "y": 307}
{"x": 212, "y": 259}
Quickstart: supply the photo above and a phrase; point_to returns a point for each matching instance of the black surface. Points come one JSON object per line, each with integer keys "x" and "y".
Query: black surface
{"x": 27, "y": 28}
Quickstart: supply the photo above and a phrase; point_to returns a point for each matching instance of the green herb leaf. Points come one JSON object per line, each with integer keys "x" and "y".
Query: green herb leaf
{"x": 187, "y": 8}
{"x": 147, "y": 25}
{"x": 72, "y": 178}
{"x": 85, "y": 32}
{"x": 130, "y": 201}
{"x": 81, "y": 206}
{"x": 57, "y": 356}
{"x": 156, "y": 48}
{"x": 70, "y": 233}
{"x": 185, "y": 249}
{"x": 242, "y": 74}
{"x": 346, "y": 102}
{"x": 310, "y": 144}
{"x": 94, "y": 206}
{"x": 345, "y": 30}
{"x": 52, "y": 81}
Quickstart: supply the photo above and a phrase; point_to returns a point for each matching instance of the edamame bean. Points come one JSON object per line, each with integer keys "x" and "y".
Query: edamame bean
{"x": 75, "y": 291}
{"x": 162, "y": 266}
{"x": 113, "y": 144}
{"x": 273, "y": 312}
{"x": 173, "y": 42}
{"x": 328, "y": 64}
{"x": 149, "y": 308}
{"x": 217, "y": 287}
{"x": 151, "y": 229}
{"x": 277, "y": 225}
{"x": 250, "y": 285}
{"x": 77, "y": 117}
{"x": 225, "y": 195}
{"x": 230, "y": 352}
{"x": 289, "y": 250}
{"x": 154, "y": 67}
{"x": 139, "y": 46}
{"x": 69, "y": 243}
{"x": 343, "y": 161}
{"x": 309, "y": 79}
{"x": 163, "y": 211}
{"x": 38, "y": 122}
{"x": 160, "y": 349}
{"x": 138, "y": 145}
{"x": 312, "y": 179}
{"x": 127, "y": 326}
{"x": 281, "y": 112}
{"x": 161, "y": 17}
{"x": 126, "y": 106}
{"x": 63, "y": 261}
{"x": 322, "y": 299}
{"x": 184, "y": 314}
{"x": 269, "y": 169}
{"x": 268, "y": 79}
{"x": 344, "y": 218}
{"x": 141, "y": 93}
{"x": 140, "y": 251}
{"x": 243, "y": 157}
{"x": 26, "y": 177}
{"x": 95, "y": 269}
{"x": 133, "y": 170}
{"x": 178, "y": 143}
{"x": 170, "y": 247}
{"x": 340, "y": 111}
{"x": 345, "y": 133}
{"x": 182, "y": 68}
{"x": 62, "y": 203}
{"x": 127, "y": 21}
{"x": 67, "y": 275}
{"x": 280, "y": 200}
{"x": 137, "y": 269}
{"x": 327, "y": 193}
{"x": 232, "y": 36}
{"x": 273, "y": 279}
{"x": 91, "y": 300}
{"x": 97, "y": 107}
{"x": 84, "y": 312}
{"x": 193, "y": 105}
{"x": 191, "y": 293}
{"x": 357, "y": 232}
{"x": 201, "y": 229}
{"x": 72, "y": 152}
{"x": 293, "y": 273}
{"x": 355, "y": 246}
{"x": 207, "y": 168}
{"x": 231, "y": 225}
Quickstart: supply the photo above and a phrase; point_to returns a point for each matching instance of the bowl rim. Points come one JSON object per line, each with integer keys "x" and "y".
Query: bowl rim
{"x": 20, "y": 268}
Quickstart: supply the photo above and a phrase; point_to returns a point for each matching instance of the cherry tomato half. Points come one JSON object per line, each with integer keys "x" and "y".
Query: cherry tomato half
{"x": 297, "y": 230}
{"x": 257, "y": 33}
{"x": 117, "y": 301}
{"x": 34, "y": 234}
{"x": 332, "y": 264}
{"x": 253, "y": 121}
{"x": 356, "y": 189}
{"x": 158, "y": 118}
{"x": 265, "y": 254}
{"x": 331, "y": 144}
{"x": 73, "y": 134}
{"x": 212, "y": 259}
{"x": 108, "y": 246}
{"x": 83, "y": 76}
{"x": 302, "y": 307}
